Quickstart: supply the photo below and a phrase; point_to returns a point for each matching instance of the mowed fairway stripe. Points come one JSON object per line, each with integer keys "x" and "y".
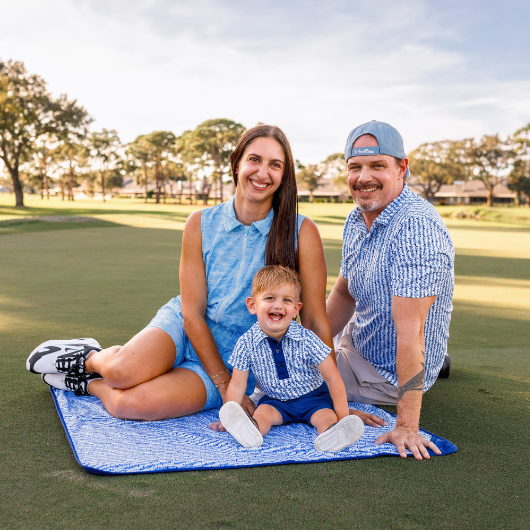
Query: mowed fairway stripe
{"x": 108, "y": 283}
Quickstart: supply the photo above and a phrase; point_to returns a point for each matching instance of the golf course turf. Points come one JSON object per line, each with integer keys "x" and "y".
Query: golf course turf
{"x": 105, "y": 277}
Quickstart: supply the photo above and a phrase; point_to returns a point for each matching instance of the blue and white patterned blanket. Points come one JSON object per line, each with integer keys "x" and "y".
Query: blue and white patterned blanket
{"x": 105, "y": 445}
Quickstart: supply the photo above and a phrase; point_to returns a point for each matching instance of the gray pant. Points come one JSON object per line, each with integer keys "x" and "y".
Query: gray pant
{"x": 363, "y": 382}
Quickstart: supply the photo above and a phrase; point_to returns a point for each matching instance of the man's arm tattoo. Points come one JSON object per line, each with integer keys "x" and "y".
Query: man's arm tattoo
{"x": 416, "y": 383}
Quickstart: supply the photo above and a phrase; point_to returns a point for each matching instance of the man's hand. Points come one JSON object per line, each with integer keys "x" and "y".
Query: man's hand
{"x": 405, "y": 439}
{"x": 368, "y": 419}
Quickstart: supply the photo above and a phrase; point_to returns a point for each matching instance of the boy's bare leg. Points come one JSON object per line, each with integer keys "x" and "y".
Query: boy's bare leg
{"x": 147, "y": 355}
{"x": 267, "y": 416}
{"x": 322, "y": 419}
{"x": 339, "y": 436}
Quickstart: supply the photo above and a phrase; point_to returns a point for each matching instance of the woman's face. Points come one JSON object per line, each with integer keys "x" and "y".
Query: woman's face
{"x": 260, "y": 170}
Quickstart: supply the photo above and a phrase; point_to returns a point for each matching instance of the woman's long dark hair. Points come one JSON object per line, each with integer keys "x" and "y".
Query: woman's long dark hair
{"x": 281, "y": 246}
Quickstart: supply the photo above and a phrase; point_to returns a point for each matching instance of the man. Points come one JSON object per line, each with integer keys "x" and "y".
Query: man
{"x": 391, "y": 306}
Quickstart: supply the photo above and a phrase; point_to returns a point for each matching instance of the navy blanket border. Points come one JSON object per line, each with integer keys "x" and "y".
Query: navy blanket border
{"x": 444, "y": 445}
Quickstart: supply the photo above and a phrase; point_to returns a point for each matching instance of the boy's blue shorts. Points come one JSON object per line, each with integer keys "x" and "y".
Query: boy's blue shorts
{"x": 301, "y": 409}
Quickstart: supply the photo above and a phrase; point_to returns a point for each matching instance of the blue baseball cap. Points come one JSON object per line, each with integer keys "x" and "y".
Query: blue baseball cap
{"x": 389, "y": 140}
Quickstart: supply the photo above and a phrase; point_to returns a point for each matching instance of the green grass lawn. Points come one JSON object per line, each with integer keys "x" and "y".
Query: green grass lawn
{"x": 106, "y": 277}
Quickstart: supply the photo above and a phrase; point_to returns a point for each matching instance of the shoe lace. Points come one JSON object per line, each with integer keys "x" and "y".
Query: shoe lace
{"x": 73, "y": 362}
{"x": 71, "y": 383}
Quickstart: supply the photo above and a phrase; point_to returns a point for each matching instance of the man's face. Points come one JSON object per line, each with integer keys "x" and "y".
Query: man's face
{"x": 375, "y": 180}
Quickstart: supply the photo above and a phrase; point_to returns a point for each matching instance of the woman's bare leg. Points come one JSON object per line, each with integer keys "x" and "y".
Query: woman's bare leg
{"x": 176, "y": 393}
{"x": 147, "y": 355}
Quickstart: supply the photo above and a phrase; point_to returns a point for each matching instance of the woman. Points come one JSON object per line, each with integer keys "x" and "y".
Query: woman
{"x": 177, "y": 365}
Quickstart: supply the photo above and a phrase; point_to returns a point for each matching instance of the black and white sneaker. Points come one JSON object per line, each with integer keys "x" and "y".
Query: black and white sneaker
{"x": 61, "y": 356}
{"x": 446, "y": 368}
{"x": 340, "y": 435}
{"x": 72, "y": 383}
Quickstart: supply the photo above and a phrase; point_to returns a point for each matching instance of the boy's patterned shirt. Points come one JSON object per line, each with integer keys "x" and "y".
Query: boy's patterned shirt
{"x": 408, "y": 252}
{"x": 302, "y": 350}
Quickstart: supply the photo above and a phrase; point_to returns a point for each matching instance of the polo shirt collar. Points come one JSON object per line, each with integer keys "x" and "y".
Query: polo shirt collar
{"x": 294, "y": 332}
{"x": 230, "y": 221}
{"x": 388, "y": 213}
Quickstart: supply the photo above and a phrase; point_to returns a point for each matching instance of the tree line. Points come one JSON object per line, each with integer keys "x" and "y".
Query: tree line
{"x": 45, "y": 140}
{"x": 489, "y": 159}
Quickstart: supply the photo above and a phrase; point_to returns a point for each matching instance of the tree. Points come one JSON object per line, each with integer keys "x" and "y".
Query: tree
{"x": 176, "y": 171}
{"x": 187, "y": 156}
{"x": 334, "y": 166}
{"x": 35, "y": 168}
{"x": 519, "y": 177}
{"x": 103, "y": 148}
{"x": 490, "y": 158}
{"x": 434, "y": 164}
{"x": 519, "y": 180}
{"x": 28, "y": 113}
{"x": 309, "y": 177}
{"x": 90, "y": 179}
{"x": 210, "y": 146}
{"x": 74, "y": 157}
{"x": 162, "y": 146}
{"x": 42, "y": 161}
{"x": 115, "y": 176}
{"x": 140, "y": 160}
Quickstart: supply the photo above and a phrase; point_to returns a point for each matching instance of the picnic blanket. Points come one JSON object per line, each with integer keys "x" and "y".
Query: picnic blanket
{"x": 105, "y": 445}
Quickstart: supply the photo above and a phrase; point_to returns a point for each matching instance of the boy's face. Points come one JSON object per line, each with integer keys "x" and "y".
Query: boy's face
{"x": 275, "y": 308}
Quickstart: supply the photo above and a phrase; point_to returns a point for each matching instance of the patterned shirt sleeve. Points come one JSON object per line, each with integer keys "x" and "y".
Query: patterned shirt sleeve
{"x": 240, "y": 357}
{"x": 315, "y": 349}
{"x": 422, "y": 255}
{"x": 345, "y": 237}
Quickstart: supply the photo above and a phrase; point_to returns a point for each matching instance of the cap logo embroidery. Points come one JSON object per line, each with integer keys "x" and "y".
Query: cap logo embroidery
{"x": 356, "y": 151}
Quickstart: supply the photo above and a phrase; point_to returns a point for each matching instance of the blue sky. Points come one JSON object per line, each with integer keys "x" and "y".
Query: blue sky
{"x": 434, "y": 70}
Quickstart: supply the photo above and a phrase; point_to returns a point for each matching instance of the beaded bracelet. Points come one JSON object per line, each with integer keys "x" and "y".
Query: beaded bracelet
{"x": 222, "y": 383}
{"x": 220, "y": 373}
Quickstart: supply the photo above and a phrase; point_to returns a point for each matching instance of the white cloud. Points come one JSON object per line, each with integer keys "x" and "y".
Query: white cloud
{"x": 314, "y": 69}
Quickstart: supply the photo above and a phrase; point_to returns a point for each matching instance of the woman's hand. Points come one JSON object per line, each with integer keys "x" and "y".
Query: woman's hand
{"x": 369, "y": 419}
{"x": 248, "y": 405}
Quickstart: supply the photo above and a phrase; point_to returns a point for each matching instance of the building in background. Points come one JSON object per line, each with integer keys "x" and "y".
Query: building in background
{"x": 471, "y": 192}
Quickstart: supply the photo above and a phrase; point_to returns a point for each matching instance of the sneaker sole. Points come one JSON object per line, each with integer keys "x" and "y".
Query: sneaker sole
{"x": 53, "y": 346}
{"x": 238, "y": 424}
{"x": 58, "y": 381}
{"x": 341, "y": 435}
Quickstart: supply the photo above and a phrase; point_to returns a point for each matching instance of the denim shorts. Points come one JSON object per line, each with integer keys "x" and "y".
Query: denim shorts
{"x": 300, "y": 410}
{"x": 169, "y": 319}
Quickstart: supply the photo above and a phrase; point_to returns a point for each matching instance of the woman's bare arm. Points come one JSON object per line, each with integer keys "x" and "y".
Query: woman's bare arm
{"x": 314, "y": 276}
{"x": 194, "y": 296}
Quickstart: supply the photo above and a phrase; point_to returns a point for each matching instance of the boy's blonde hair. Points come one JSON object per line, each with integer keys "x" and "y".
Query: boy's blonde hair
{"x": 273, "y": 275}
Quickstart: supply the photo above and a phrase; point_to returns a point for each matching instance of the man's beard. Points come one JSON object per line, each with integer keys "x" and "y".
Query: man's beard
{"x": 368, "y": 204}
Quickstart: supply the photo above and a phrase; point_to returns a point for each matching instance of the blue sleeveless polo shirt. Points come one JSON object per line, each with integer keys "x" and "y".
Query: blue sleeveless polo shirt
{"x": 232, "y": 254}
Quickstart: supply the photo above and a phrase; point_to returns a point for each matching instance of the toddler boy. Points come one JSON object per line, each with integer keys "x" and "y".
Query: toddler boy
{"x": 292, "y": 367}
